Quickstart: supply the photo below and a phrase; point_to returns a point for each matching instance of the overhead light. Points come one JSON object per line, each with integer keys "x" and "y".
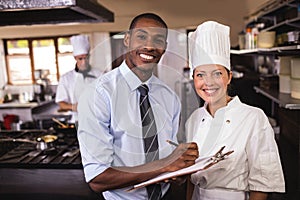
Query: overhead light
{"x": 30, "y": 12}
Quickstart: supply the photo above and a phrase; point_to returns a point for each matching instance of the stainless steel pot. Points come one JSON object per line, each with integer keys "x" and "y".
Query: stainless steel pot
{"x": 42, "y": 143}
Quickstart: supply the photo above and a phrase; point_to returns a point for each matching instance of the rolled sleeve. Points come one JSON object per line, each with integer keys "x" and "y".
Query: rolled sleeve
{"x": 95, "y": 140}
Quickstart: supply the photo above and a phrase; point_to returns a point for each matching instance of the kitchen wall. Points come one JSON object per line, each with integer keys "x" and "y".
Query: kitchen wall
{"x": 179, "y": 15}
{"x": 100, "y": 51}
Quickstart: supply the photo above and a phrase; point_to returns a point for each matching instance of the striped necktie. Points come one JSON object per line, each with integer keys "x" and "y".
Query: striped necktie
{"x": 149, "y": 137}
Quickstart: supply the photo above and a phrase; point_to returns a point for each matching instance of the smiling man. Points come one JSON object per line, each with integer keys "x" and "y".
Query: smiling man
{"x": 127, "y": 116}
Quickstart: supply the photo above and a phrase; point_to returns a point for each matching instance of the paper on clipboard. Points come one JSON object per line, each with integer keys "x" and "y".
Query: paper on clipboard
{"x": 200, "y": 164}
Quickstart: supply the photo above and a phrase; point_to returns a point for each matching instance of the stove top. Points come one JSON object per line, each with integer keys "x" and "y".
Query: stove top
{"x": 62, "y": 153}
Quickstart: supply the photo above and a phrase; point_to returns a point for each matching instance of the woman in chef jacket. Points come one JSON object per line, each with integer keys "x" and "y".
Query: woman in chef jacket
{"x": 253, "y": 169}
{"x": 72, "y": 83}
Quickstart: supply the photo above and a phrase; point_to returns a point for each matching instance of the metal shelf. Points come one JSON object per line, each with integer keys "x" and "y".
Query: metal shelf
{"x": 270, "y": 10}
{"x": 286, "y": 25}
{"x": 283, "y": 49}
{"x": 282, "y": 99}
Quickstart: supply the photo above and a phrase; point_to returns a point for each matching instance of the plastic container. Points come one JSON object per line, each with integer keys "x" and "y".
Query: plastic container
{"x": 242, "y": 40}
{"x": 248, "y": 39}
{"x": 295, "y": 68}
{"x": 285, "y": 65}
{"x": 255, "y": 33}
{"x": 266, "y": 39}
{"x": 295, "y": 88}
{"x": 285, "y": 84}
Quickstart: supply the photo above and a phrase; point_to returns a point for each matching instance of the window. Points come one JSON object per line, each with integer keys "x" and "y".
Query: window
{"x": 24, "y": 57}
{"x": 18, "y": 62}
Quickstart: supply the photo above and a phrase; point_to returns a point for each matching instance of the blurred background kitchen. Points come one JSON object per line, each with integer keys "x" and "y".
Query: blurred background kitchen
{"x": 35, "y": 50}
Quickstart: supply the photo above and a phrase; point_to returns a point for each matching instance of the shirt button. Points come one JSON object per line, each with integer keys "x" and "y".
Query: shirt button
{"x": 227, "y": 121}
{"x": 203, "y": 120}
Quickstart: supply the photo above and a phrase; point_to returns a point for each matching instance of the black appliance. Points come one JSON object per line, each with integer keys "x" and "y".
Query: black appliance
{"x": 31, "y": 12}
{"x": 27, "y": 172}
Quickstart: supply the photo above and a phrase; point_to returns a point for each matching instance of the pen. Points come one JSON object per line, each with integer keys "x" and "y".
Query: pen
{"x": 173, "y": 143}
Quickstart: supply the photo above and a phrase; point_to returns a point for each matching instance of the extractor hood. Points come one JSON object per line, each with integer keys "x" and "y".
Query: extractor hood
{"x": 30, "y": 12}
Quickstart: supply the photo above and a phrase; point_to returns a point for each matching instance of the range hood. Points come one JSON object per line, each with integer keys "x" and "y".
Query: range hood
{"x": 30, "y": 12}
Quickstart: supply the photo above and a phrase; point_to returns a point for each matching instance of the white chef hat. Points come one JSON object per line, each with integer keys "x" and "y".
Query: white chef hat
{"x": 80, "y": 44}
{"x": 210, "y": 44}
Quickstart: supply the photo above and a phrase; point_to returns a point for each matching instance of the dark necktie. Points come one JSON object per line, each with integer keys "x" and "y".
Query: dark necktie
{"x": 149, "y": 137}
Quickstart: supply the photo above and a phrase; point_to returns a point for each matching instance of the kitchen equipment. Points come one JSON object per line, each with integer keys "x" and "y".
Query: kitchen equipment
{"x": 71, "y": 153}
{"x": 42, "y": 86}
{"x": 8, "y": 119}
{"x": 42, "y": 142}
{"x": 15, "y": 126}
{"x": 31, "y": 12}
{"x": 15, "y": 154}
{"x": 266, "y": 39}
{"x": 60, "y": 123}
{"x": 293, "y": 37}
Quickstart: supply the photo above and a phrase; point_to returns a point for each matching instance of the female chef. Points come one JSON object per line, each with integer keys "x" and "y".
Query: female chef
{"x": 72, "y": 83}
{"x": 253, "y": 169}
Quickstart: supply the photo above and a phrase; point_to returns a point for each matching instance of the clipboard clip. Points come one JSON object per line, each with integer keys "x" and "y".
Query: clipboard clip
{"x": 220, "y": 155}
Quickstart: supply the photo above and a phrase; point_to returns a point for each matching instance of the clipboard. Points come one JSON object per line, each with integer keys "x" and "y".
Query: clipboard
{"x": 200, "y": 165}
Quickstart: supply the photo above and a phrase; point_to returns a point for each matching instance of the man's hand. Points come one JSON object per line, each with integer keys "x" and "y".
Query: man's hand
{"x": 183, "y": 156}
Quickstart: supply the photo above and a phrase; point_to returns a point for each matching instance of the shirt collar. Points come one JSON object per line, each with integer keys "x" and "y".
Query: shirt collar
{"x": 132, "y": 80}
{"x": 233, "y": 103}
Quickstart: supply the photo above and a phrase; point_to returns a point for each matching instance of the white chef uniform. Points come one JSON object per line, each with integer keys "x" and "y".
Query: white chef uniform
{"x": 72, "y": 83}
{"x": 255, "y": 164}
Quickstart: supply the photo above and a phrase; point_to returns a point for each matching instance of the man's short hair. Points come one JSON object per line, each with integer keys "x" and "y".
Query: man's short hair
{"x": 148, "y": 16}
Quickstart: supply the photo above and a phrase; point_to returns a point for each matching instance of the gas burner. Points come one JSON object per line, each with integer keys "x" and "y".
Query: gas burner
{"x": 18, "y": 152}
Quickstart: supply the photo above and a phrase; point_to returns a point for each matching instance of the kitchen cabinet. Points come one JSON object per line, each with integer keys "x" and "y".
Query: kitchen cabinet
{"x": 281, "y": 17}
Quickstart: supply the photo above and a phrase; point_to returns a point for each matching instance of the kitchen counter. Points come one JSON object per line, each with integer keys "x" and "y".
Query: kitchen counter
{"x": 18, "y": 105}
{"x": 32, "y": 110}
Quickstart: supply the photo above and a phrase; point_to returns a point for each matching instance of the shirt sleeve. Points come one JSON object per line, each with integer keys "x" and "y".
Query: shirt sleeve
{"x": 176, "y": 119}
{"x": 265, "y": 170}
{"x": 95, "y": 140}
{"x": 62, "y": 93}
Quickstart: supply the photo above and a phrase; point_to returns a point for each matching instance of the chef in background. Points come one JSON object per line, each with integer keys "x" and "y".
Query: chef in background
{"x": 72, "y": 83}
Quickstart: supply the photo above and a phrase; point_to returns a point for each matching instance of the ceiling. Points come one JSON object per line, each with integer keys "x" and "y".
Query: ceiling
{"x": 177, "y": 14}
